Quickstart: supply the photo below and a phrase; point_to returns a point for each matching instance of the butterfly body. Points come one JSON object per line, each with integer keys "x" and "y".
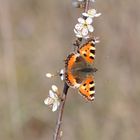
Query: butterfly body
{"x": 79, "y": 70}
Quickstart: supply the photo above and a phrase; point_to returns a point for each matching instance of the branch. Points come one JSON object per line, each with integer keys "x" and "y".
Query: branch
{"x": 60, "y": 113}
{"x": 86, "y": 5}
{"x": 57, "y": 134}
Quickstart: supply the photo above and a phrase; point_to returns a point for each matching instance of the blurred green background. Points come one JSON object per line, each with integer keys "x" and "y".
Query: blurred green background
{"x": 35, "y": 38}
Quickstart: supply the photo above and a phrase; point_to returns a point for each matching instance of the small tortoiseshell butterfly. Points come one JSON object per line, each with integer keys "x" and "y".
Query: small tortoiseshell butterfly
{"x": 79, "y": 70}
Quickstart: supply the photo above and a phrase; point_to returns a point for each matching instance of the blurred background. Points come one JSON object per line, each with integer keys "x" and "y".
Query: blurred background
{"x": 35, "y": 38}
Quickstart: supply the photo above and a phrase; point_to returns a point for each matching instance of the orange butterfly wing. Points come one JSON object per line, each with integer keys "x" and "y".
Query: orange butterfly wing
{"x": 87, "y": 51}
{"x": 87, "y": 88}
{"x": 69, "y": 62}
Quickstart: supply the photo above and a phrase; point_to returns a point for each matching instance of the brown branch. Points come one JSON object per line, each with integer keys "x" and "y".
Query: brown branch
{"x": 86, "y": 5}
{"x": 57, "y": 134}
{"x": 60, "y": 113}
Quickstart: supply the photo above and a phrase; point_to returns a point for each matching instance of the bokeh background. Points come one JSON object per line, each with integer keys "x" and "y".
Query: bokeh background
{"x": 35, "y": 38}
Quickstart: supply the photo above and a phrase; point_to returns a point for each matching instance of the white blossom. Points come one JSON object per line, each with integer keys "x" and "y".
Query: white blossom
{"x": 54, "y": 88}
{"x": 53, "y": 100}
{"x": 83, "y": 27}
{"x": 49, "y": 75}
{"x": 91, "y": 13}
{"x": 79, "y": 34}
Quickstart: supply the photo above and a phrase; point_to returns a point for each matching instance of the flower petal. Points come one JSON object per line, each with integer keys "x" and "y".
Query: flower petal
{"x": 84, "y": 31}
{"x": 62, "y": 71}
{"x": 97, "y": 41}
{"x": 79, "y": 36}
{"x": 78, "y": 33}
{"x": 55, "y": 106}
{"x": 48, "y": 101}
{"x": 78, "y": 26}
{"x": 54, "y": 88}
{"x": 75, "y": 31}
{"x": 62, "y": 77}
{"x": 92, "y": 12}
{"x": 81, "y": 20}
{"x": 90, "y": 28}
{"x": 49, "y": 75}
{"x": 98, "y": 14}
{"x": 62, "y": 74}
{"x": 52, "y": 94}
{"x": 89, "y": 20}
{"x": 85, "y": 14}
{"x": 58, "y": 103}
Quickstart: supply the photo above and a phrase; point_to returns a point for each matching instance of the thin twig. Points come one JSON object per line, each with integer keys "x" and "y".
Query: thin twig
{"x": 60, "y": 113}
{"x": 87, "y": 5}
{"x": 57, "y": 135}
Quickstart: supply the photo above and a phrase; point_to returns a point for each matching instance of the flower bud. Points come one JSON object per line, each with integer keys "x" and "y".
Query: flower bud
{"x": 54, "y": 88}
{"x": 49, "y": 75}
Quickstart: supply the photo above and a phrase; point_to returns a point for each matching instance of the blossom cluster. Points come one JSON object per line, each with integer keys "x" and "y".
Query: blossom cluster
{"x": 84, "y": 26}
{"x": 53, "y": 99}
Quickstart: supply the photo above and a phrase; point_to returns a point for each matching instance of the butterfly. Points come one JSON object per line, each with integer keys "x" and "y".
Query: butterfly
{"x": 79, "y": 70}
